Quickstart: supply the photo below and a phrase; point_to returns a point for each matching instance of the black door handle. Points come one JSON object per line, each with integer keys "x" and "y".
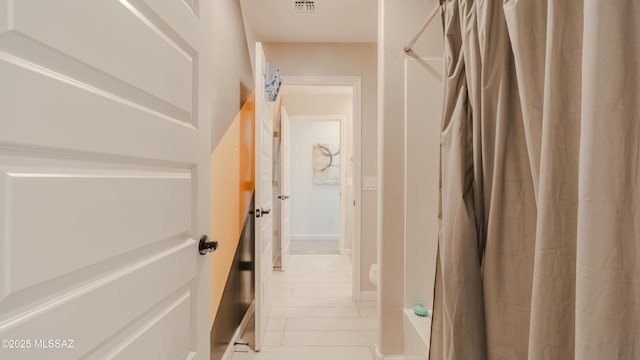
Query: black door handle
{"x": 261, "y": 212}
{"x": 207, "y": 245}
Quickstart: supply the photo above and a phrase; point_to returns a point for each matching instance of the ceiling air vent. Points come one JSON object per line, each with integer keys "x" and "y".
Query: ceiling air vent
{"x": 305, "y": 6}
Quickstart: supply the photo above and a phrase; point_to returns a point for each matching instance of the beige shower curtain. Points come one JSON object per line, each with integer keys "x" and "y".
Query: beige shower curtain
{"x": 539, "y": 253}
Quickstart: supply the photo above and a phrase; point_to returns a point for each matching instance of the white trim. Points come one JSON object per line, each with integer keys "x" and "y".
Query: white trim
{"x": 377, "y": 354}
{"x": 417, "y": 333}
{"x": 368, "y": 296}
{"x": 322, "y": 237}
{"x": 228, "y": 354}
{"x": 356, "y": 83}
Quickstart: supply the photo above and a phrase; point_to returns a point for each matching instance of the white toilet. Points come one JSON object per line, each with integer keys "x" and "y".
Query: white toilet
{"x": 373, "y": 275}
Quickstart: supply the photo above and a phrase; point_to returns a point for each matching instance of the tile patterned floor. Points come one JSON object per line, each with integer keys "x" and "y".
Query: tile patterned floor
{"x": 313, "y": 315}
{"x": 315, "y": 246}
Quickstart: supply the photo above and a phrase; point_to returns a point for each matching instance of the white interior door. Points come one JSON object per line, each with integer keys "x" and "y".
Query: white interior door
{"x": 264, "y": 199}
{"x": 104, "y": 156}
{"x": 285, "y": 170}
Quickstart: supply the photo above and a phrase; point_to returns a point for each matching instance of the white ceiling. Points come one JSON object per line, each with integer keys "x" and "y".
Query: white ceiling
{"x": 333, "y": 21}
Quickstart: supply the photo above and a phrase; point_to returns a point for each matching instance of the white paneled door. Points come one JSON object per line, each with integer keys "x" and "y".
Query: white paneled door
{"x": 104, "y": 153}
{"x": 285, "y": 171}
{"x": 264, "y": 199}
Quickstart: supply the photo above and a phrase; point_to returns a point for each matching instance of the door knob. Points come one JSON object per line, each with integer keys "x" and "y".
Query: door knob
{"x": 207, "y": 245}
{"x": 261, "y": 212}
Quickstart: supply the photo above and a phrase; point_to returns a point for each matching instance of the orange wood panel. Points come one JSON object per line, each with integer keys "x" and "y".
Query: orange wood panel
{"x": 247, "y": 155}
{"x": 232, "y": 186}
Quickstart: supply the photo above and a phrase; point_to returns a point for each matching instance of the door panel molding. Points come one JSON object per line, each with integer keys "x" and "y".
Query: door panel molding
{"x": 31, "y": 31}
{"x": 104, "y": 177}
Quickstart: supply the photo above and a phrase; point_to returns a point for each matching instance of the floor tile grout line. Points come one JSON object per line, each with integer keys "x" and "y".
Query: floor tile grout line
{"x": 330, "y": 330}
{"x": 328, "y": 275}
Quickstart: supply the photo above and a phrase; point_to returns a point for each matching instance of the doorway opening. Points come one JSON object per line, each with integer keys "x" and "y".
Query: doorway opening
{"x": 317, "y": 169}
{"x": 330, "y": 105}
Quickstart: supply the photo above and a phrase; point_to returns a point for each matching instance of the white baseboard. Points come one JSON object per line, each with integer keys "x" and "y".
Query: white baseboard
{"x": 368, "y": 295}
{"x": 228, "y": 354}
{"x": 377, "y": 355}
{"x": 346, "y": 252}
{"x": 298, "y": 237}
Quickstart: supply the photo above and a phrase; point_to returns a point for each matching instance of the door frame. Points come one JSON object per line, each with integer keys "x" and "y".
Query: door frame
{"x": 263, "y": 144}
{"x": 285, "y": 187}
{"x": 356, "y": 83}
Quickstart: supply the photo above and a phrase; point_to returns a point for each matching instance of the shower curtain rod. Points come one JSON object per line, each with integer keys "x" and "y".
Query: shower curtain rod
{"x": 434, "y": 12}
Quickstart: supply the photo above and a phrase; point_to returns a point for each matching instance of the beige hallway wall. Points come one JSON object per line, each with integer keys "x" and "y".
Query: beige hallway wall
{"x": 398, "y": 22}
{"x": 232, "y": 72}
